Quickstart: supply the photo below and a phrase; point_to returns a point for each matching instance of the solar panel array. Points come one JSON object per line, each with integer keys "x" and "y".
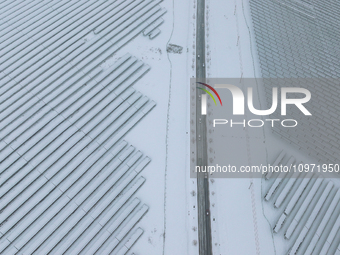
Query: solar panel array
{"x": 306, "y": 211}
{"x": 297, "y": 42}
{"x": 67, "y": 178}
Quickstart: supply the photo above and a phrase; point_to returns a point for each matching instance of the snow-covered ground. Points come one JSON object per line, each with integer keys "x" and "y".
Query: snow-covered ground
{"x": 164, "y": 136}
{"x": 238, "y": 225}
{"x": 242, "y": 221}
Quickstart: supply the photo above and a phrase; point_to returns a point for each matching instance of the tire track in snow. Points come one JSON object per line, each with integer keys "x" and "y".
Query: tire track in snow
{"x": 167, "y": 128}
{"x": 253, "y": 201}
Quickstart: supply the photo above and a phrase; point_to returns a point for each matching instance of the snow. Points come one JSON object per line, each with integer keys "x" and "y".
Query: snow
{"x": 64, "y": 123}
{"x": 167, "y": 176}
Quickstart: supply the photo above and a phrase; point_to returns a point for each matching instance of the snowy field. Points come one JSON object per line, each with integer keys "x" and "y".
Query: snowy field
{"x": 242, "y": 219}
{"x": 169, "y": 189}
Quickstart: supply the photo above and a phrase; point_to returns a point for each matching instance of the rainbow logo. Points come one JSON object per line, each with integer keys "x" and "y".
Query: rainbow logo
{"x": 208, "y": 86}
